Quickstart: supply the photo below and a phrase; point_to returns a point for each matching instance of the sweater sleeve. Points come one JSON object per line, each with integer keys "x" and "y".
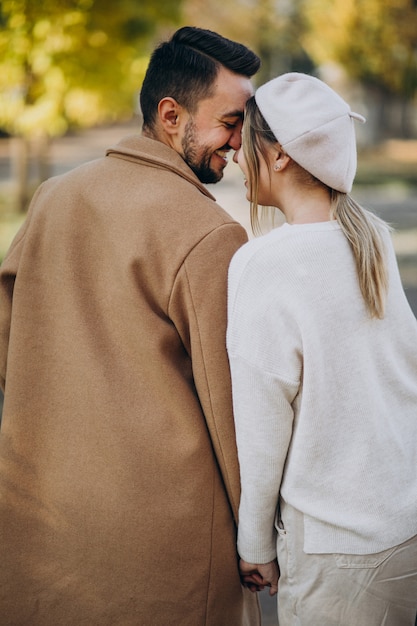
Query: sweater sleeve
{"x": 262, "y": 404}
{"x": 198, "y": 308}
{"x": 264, "y": 347}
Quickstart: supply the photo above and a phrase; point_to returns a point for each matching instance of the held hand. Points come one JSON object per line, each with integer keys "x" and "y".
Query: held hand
{"x": 250, "y": 576}
{"x": 258, "y": 576}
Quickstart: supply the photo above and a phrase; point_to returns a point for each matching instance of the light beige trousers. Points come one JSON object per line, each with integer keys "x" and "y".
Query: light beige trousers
{"x": 343, "y": 589}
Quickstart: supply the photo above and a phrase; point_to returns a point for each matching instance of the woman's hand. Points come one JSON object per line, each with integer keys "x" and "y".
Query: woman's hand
{"x": 258, "y": 576}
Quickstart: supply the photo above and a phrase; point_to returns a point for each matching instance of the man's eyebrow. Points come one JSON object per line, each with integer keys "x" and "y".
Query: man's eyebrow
{"x": 237, "y": 113}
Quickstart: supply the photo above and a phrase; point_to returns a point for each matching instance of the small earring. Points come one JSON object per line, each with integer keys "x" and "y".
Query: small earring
{"x": 277, "y": 167}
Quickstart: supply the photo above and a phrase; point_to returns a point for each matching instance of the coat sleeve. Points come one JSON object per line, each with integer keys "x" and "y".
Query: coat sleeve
{"x": 8, "y": 271}
{"x": 6, "y": 291}
{"x": 198, "y": 308}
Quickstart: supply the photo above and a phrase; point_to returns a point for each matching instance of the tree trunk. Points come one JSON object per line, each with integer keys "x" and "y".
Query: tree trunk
{"x": 42, "y": 157}
{"x": 25, "y": 153}
{"x": 20, "y": 171}
{"x": 406, "y": 126}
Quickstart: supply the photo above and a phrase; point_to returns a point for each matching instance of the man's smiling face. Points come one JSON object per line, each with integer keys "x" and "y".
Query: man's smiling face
{"x": 215, "y": 128}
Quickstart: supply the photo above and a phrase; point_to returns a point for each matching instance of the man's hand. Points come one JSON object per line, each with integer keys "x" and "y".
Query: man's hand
{"x": 258, "y": 576}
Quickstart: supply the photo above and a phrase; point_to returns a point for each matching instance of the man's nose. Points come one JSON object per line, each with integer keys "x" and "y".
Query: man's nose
{"x": 235, "y": 140}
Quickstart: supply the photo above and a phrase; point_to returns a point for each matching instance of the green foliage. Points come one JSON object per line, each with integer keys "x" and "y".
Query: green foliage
{"x": 77, "y": 63}
{"x": 391, "y": 29}
{"x": 272, "y": 28}
{"x": 374, "y": 40}
{"x": 73, "y": 63}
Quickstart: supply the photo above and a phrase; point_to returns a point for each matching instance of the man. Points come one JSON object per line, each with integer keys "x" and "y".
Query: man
{"x": 119, "y": 480}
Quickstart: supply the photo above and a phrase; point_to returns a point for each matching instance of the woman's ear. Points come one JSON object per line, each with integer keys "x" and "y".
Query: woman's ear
{"x": 169, "y": 112}
{"x": 281, "y": 161}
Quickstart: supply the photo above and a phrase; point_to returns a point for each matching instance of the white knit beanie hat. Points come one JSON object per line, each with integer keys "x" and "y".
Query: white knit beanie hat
{"x": 314, "y": 125}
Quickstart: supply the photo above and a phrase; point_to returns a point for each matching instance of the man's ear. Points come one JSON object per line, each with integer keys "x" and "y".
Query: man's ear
{"x": 169, "y": 112}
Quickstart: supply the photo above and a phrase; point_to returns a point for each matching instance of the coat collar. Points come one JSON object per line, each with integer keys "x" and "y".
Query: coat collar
{"x": 157, "y": 154}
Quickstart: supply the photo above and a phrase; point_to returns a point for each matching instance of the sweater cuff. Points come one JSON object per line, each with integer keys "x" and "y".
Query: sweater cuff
{"x": 259, "y": 549}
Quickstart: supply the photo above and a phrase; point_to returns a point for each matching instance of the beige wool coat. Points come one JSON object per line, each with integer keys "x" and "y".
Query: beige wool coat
{"x": 119, "y": 480}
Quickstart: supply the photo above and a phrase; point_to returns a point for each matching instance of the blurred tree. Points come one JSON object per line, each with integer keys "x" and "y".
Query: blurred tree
{"x": 272, "y": 28}
{"x": 233, "y": 20}
{"x": 374, "y": 40}
{"x": 72, "y": 63}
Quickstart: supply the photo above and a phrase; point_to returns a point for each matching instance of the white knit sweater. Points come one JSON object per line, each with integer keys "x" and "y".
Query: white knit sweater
{"x": 325, "y": 397}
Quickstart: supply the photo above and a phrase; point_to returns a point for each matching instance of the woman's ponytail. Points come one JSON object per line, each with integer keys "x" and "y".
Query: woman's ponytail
{"x": 363, "y": 230}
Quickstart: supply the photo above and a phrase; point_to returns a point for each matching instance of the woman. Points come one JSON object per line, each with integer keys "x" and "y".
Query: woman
{"x": 323, "y": 354}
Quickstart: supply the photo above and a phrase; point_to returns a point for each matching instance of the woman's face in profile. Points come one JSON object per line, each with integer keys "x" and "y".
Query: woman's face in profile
{"x": 264, "y": 181}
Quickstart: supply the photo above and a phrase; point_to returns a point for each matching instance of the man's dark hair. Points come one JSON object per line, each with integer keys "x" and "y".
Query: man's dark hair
{"x": 185, "y": 68}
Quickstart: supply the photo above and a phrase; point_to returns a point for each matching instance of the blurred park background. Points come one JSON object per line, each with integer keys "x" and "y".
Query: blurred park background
{"x": 71, "y": 71}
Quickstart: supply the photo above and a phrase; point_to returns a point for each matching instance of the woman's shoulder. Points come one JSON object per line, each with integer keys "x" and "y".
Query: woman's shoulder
{"x": 279, "y": 242}
{"x": 253, "y": 261}
{"x": 261, "y": 244}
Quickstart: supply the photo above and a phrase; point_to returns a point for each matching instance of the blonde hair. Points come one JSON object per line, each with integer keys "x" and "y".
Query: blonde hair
{"x": 362, "y": 229}
{"x": 256, "y": 138}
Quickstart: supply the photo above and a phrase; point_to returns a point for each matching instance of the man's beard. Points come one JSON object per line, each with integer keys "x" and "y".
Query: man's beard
{"x": 199, "y": 164}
